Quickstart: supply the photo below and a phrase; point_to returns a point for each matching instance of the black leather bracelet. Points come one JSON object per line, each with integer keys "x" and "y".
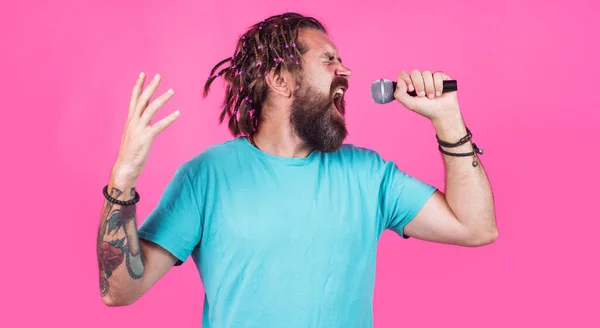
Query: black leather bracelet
{"x": 113, "y": 200}
{"x": 455, "y": 154}
{"x": 475, "y": 150}
{"x": 462, "y": 141}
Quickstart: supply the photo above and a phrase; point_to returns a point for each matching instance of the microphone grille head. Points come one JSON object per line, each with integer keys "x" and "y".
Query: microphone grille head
{"x": 382, "y": 91}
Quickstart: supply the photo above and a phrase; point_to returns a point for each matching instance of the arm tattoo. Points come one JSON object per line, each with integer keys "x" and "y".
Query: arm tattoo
{"x": 118, "y": 242}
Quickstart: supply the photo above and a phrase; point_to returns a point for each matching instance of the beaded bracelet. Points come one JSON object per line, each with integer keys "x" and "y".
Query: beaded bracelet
{"x": 132, "y": 201}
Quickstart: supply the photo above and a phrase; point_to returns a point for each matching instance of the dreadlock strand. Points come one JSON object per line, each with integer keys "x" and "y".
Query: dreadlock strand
{"x": 212, "y": 72}
{"x": 233, "y": 128}
{"x": 207, "y": 85}
{"x": 244, "y": 121}
{"x": 226, "y": 104}
{"x": 213, "y": 77}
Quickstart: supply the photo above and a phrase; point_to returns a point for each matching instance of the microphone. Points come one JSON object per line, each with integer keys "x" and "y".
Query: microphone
{"x": 382, "y": 90}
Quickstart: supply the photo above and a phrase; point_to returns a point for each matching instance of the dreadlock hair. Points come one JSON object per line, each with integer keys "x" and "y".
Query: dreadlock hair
{"x": 271, "y": 43}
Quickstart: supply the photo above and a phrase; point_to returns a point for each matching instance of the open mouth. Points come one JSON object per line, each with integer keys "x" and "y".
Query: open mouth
{"x": 338, "y": 100}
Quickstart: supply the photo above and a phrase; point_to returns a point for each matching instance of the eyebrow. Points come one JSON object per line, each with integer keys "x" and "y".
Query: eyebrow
{"x": 330, "y": 54}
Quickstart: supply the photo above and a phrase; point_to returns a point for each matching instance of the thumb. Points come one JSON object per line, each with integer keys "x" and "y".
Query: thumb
{"x": 401, "y": 94}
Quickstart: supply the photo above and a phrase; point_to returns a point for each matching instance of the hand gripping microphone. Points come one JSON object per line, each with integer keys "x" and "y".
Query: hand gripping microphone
{"x": 382, "y": 90}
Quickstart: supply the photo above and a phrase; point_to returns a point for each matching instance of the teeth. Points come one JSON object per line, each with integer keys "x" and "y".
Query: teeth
{"x": 340, "y": 91}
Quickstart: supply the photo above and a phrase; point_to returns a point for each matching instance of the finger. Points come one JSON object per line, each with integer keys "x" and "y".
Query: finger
{"x": 154, "y": 106}
{"x": 159, "y": 126}
{"x": 417, "y": 81}
{"x": 406, "y": 78}
{"x": 401, "y": 94}
{"x": 438, "y": 83}
{"x": 428, "y": 82}
{"x": 135, "y": 93}
{"x": 143, "y": 99}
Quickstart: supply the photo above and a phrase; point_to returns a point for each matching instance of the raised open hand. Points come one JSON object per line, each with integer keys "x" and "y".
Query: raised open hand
{"x": 139, "y": 132}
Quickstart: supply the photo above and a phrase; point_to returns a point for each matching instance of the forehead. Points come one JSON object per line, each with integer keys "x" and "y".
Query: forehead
{"x": 316, "y": 40}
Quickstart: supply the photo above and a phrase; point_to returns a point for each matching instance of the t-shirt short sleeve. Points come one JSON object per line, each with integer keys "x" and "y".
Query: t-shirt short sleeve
{"x": 175, "y": 224}
{"x": 402, "y": 197}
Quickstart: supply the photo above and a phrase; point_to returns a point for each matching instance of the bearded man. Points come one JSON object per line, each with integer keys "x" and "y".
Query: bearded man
{"x": 283, "y": 220}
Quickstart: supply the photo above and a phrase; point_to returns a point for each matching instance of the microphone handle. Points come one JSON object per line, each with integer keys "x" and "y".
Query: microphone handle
{"x": 449, "y": 85}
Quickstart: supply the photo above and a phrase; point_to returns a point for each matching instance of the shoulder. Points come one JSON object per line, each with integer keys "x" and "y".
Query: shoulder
{"x": 356, "y": 155}
{"x": 214, "y": 156}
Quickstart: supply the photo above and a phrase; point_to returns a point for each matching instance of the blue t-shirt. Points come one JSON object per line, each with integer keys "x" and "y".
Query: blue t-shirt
{"x": 284, "y": 242}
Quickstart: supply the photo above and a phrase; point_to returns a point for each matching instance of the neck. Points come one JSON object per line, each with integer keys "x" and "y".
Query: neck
{"x": 276, "y": 137}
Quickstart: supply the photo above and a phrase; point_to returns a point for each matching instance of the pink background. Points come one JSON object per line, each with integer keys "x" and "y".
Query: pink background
{"x": 528, "y": 77}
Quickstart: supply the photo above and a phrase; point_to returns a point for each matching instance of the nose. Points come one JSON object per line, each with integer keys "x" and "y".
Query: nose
{"x": 343, "y": 71}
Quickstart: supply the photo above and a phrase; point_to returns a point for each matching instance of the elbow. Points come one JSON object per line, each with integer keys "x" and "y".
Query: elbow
{"x": 483, "y": 238}
{"x": 116, "y": 301}
{"x": 111, "y": 302}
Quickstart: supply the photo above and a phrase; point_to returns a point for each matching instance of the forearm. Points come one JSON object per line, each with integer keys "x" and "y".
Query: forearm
{"x": 120, "y": 257}
{"x": 468, "y": 190}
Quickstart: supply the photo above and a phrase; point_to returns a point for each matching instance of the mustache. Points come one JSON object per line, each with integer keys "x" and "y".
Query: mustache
{"x": 337, "y": 82}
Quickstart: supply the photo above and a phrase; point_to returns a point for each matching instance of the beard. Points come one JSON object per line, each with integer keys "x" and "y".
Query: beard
{"x": 314, "y": 116}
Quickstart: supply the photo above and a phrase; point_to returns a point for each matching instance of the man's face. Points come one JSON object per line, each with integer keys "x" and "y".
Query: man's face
{"x": 317, "y": 113}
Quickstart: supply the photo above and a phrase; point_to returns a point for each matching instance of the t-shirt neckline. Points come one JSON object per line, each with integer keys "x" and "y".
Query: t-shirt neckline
{"x": 297, "y": 161}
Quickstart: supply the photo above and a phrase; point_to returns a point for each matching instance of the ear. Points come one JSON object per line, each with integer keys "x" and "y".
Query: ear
{"x": 281, "y": 83}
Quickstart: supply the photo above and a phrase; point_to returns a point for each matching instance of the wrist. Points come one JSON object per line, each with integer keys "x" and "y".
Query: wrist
{"x": 453, "y": 137}
{"x": 449, "y": 125}
{"x": 121, "y": 187}
{"x": 122, "y": 178}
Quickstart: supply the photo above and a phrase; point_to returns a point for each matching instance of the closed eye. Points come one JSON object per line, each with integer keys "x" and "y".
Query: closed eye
{"x": 330, "y": 57}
